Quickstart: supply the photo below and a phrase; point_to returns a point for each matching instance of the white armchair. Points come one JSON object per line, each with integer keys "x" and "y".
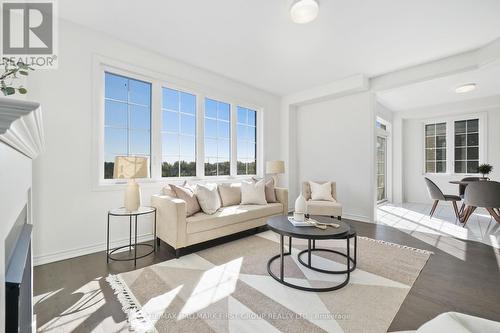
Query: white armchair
{"x": 320, "y": 207}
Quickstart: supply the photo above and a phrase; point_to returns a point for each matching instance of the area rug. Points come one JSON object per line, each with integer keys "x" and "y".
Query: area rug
{"x": 227, "y": 289}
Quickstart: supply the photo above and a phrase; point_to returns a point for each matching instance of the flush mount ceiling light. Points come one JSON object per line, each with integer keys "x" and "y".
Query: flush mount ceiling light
{"x": 304, "y": 11}
{"x": 465, "y": 88}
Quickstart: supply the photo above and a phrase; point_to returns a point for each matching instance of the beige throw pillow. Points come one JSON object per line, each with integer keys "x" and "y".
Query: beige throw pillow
{"x": 167, "y": 190}
{"x": 208, "y": 197}
{"x": 253, "y": 193}
{"x": 321, "y": 192}
{"x": 270, "y": 193}
{"x": 230, "y": 194}
{"x": 186, "y": 193}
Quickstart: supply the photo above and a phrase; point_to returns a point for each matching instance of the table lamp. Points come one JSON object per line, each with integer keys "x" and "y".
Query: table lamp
{"x": 275, "y": 168}
{"x": 131, "y": 167}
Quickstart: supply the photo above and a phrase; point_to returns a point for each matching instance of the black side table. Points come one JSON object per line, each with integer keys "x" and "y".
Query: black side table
{"x": 144, "y": 210}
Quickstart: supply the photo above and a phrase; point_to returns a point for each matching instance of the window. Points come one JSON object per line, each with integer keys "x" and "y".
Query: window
{"x": 466, "y": 146}
{"x": 178, "y": 133}
{"x": 127, "y": 119}
{"x": 435, "y": 148}
{"x": 381, "y": 125}
{"x": 182, "y": 132}
{"x": 217, "y": 138}
{"x": 247, "y": 141}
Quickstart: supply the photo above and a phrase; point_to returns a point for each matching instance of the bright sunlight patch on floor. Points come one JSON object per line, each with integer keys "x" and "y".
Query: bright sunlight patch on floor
{"x": 442, "y": 230}
{"x": 214, "y": 285}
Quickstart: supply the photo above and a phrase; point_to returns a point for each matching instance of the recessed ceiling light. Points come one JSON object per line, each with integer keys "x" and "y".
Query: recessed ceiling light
{"x": 304, "y": 11}
{"x": 465, "y": 88}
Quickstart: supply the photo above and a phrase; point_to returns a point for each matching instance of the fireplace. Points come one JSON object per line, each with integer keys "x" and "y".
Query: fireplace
{"x": 21, "y": 141}
{"x": 18, "y": 276}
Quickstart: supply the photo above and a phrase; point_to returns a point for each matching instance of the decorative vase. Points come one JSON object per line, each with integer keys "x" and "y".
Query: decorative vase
{"x": 300, "y": 208}
{"x": 132, "y": 196}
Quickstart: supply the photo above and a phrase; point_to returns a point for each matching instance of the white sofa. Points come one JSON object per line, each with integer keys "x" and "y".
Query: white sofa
{"x": 179, "y": 231}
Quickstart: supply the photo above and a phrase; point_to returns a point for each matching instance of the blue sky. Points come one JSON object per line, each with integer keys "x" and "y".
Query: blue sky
{"x": 128, "y": 119}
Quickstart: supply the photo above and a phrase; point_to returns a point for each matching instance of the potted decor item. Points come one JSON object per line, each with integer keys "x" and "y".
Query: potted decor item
{"x": 485, "y": 169}
{"x": 8, "y": 78}
{"x": 300, "y": 209}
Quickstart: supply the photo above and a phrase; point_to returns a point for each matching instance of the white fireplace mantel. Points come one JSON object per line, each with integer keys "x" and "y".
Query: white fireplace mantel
{"x": 21, "y": 126}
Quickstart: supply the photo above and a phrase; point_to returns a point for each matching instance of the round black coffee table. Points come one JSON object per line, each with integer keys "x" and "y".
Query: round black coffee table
{"x": 283, "y": 227}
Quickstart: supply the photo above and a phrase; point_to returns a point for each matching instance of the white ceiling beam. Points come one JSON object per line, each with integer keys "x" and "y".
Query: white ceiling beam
{"x": 350, "y": 85}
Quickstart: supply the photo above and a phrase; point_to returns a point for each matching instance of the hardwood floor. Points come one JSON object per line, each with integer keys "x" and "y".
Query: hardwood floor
{"x": 73, "y": 296}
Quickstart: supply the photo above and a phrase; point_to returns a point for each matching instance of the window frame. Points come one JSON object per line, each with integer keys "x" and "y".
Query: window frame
{"x": 435, "y": 160}
{"x": 102, "y": 64}
{"x": 160, "y": 125}
{"x": 231, "y": 127}
{"x": 128, "y": 128}
{"x": 450, "y": 141}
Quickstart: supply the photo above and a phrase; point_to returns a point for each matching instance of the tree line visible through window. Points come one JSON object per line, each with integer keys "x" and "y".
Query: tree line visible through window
{"x": 128, "y": 130}
{"x": 466, "y": 146}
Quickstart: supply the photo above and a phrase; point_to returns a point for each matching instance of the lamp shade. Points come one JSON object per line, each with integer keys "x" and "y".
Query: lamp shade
{"x": 129, "y": 167}
{"x": 275, "y": 167}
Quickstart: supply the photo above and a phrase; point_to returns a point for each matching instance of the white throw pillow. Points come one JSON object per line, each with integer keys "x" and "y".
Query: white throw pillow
{"x": 208, "y": 197}
{"x": 321, "y": 192}
{"x": 253, "y": 193}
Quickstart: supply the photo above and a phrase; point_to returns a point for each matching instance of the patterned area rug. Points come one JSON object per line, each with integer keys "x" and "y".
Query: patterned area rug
{"x": 227, "y": 289}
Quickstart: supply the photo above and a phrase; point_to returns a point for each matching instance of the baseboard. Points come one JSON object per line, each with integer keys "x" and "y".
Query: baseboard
{"x": 355, "y": 217}
{"x": 72, "y": 253}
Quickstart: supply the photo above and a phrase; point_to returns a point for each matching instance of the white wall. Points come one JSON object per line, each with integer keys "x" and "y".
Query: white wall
{"x": 335, "y": 141}
{"x": 414, "y": 188}
{"x": 384, "y": 112}
{"x": 70, "y": 217}
{"x": 15, "y": 180}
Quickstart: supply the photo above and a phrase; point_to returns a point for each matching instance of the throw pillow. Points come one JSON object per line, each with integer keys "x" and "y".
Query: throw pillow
{"x": 270, "y": 194}
{"x": 167, "y": 190}
{"x": 208, "y": 197}
{"x": 230, "y": 194}
{"x": 321, "y": 192}
{"x": 186, "y": 193}
{"x": 253, "y": 193}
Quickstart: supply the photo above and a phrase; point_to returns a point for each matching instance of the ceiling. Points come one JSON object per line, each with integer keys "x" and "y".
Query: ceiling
{"x": 255, "y": 42}
{"x": 442, "y": 90}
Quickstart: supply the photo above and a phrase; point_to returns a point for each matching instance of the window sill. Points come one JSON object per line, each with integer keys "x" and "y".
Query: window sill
{"x": 110, "y": 185}
{"x": 452, "y": 174}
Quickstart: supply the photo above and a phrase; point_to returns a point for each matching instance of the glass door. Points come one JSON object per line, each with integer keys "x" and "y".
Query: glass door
{"x": 381, "y": 168}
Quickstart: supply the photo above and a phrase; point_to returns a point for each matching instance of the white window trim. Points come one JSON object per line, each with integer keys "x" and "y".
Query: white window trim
{"x": 103, "y": 64}
{"x": 387, "y": 133}
{"x": 450, "y": 141}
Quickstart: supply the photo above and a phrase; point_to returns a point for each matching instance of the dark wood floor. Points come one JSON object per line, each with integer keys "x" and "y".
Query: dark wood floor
{"x": 72, "y": 295}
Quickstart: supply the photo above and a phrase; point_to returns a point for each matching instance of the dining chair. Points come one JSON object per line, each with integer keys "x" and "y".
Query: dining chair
{"x": 461, "y": 190}
{"x": 485, "y": 194}
{"x": 437, "y": 195}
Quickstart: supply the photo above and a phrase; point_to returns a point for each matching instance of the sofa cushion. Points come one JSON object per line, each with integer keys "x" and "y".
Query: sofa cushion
{"x": 253, "y": 193}
{"x": 269, "y": 189}
{"x": 321, "y": 191}
{"x": 230, "y": 194}
{"x": 208, "y": 197}
{"x": 328, "y": 208}
{"x": 187, "y": 194}
{"x": 167, "y": 190}
{"x": 230, "y": 215}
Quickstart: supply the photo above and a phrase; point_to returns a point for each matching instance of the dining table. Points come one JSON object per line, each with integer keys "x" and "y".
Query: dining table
{"x": 466, "y": 212}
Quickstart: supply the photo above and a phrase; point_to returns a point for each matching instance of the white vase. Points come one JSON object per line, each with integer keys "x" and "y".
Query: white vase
{"x": 132, "y": 196}
{"x": 300, "y": 204}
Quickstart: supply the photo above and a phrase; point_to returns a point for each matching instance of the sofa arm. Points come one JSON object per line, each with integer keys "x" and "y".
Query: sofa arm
{"x": 171, "y": 220}
{"x": 282, "y": 197}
